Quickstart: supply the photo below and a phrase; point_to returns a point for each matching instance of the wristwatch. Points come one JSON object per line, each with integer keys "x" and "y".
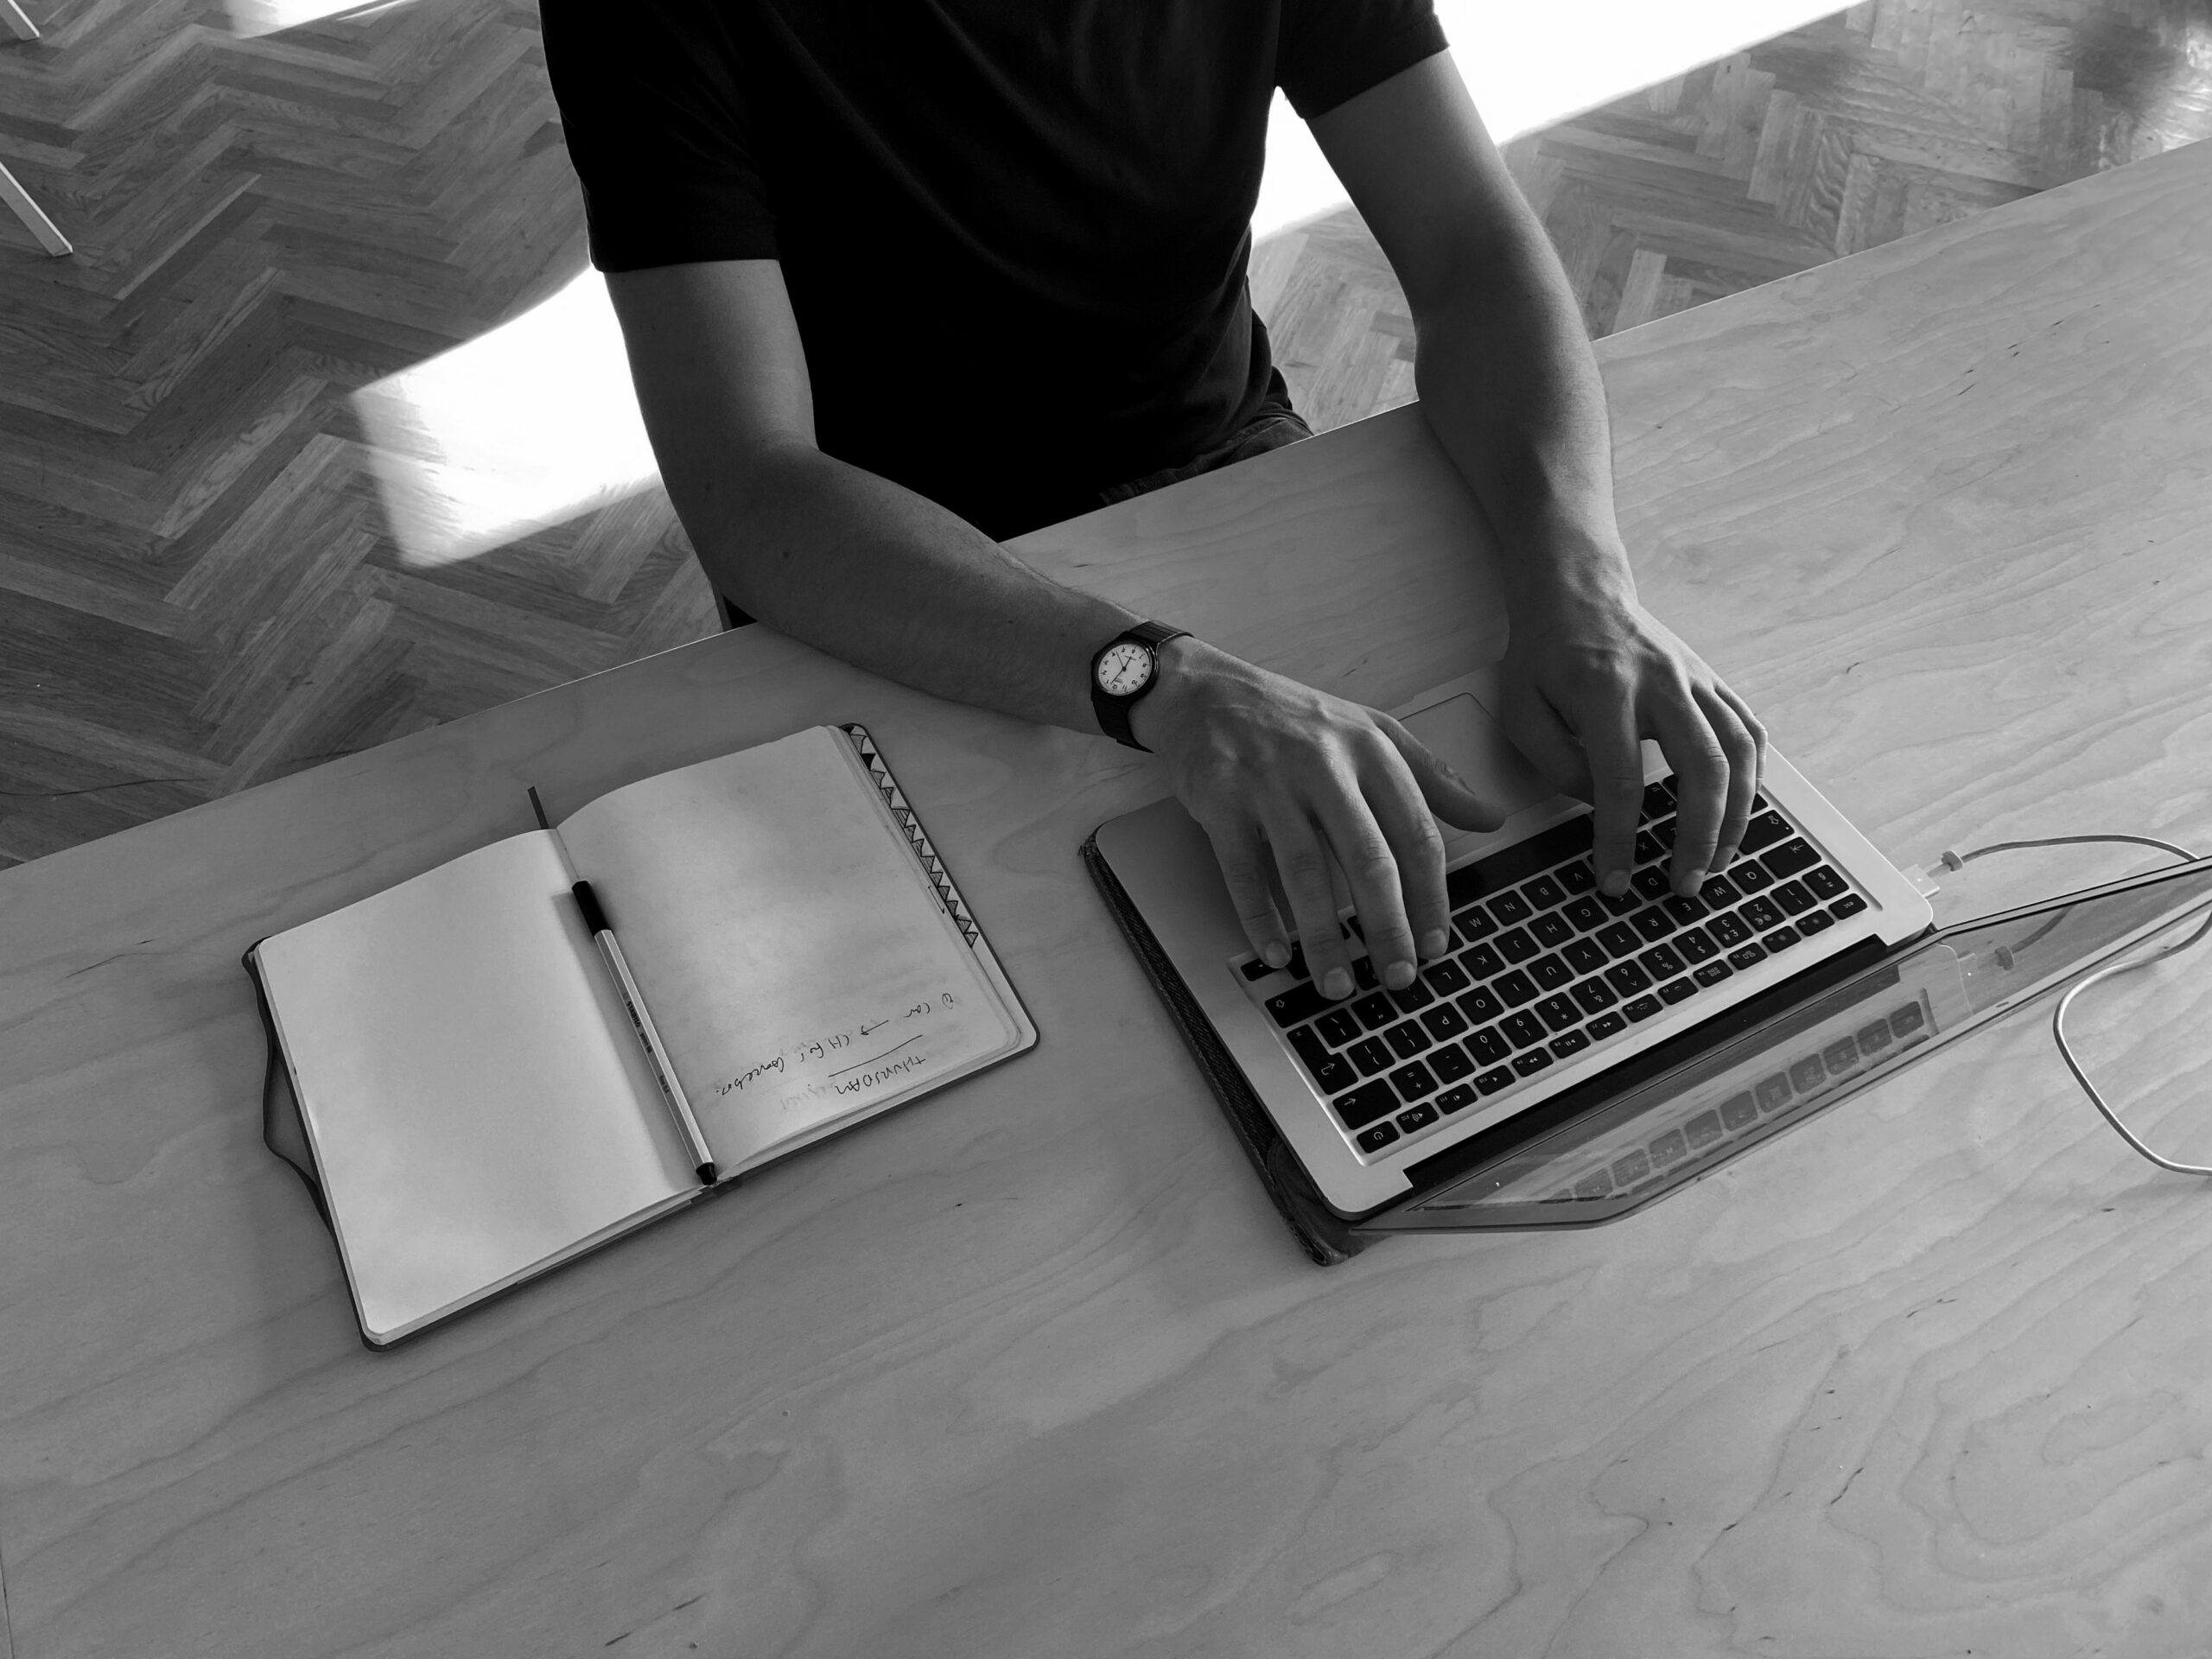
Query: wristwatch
{"x": 1127, "y": 667}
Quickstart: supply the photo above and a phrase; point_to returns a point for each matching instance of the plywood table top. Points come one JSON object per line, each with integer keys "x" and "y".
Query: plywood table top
{"x": 1033, "y": 1368}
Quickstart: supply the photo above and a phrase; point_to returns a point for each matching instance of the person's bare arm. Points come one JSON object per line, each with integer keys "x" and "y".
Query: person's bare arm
{"x": 1509, "y": 387}
{"x": 877, "y": 575}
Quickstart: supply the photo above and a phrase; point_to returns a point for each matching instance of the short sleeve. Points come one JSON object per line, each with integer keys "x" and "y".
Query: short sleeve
{"x": 1332, "y": 50}
{"x": 655, "y": 118}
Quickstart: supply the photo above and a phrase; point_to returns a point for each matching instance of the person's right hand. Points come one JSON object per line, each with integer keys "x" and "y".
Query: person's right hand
{"x": 1283, "y": 779}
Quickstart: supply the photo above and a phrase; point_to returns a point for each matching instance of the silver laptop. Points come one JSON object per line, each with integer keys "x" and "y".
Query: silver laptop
{"x": 1553, "y": 1002}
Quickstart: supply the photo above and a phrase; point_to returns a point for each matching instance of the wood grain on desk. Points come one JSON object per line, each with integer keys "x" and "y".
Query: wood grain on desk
{"x": 1031, "y": 1368}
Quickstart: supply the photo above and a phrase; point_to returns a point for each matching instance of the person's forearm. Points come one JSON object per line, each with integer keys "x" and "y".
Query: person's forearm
{"x": 885, "y": 579}
{"x": 1509, "y": 385}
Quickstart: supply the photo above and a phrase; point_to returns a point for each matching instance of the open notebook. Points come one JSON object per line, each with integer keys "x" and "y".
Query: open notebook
{"x": 476, "y": 1103}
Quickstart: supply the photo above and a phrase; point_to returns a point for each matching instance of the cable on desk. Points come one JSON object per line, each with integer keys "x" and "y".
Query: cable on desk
{"x": 1952, "y": 861}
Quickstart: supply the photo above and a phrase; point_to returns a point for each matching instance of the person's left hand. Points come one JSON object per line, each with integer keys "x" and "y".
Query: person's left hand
{"x": 1589, "y": 673}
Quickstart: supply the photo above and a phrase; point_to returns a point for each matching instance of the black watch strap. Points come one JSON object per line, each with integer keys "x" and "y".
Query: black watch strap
{"x": 1113, "y": 712}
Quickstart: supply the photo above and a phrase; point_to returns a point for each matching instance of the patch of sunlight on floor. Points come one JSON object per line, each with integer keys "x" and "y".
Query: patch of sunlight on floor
{"x": 527, "y": 426}
{"x": 253, "y": 17}
{"x": 1528, "y": 67}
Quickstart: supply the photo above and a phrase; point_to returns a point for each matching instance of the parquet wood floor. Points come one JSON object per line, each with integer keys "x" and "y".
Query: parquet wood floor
{"x": 200, "y": 587}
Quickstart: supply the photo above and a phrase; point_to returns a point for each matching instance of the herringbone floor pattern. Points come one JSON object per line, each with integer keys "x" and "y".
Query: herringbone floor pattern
{"x": 200, "y": 584}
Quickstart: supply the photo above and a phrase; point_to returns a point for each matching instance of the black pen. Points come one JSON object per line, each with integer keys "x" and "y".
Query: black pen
{"x": 641, "y": 1020}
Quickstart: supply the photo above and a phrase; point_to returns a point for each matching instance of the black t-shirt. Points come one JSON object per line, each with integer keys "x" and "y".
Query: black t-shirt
{"x": 1014, "y": 231}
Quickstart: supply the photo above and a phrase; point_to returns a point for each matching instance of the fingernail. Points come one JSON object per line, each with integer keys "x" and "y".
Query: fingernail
{"x": 1398, "y": 975}
{"x": 1615, "y": 883}
{"x": 1338, "y": 984}
{"x": 1277, "y": 954}
{"x": 1432, "y": 942}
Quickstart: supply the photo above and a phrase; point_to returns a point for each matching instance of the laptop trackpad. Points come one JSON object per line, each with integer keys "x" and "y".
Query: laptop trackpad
{"x": 1461, "y": 733}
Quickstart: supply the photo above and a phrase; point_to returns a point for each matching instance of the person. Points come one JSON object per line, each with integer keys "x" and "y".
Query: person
{"x": 898, "y": 281}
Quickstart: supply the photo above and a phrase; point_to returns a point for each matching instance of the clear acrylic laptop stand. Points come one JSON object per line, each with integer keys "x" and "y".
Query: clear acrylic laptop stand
{"x": 1690, "y": 1121}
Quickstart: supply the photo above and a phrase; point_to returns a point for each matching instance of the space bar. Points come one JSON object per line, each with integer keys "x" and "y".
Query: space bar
{"x": 1519, "y": 861}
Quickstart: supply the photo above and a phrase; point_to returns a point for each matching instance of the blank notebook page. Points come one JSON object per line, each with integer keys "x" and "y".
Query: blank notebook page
{"x": 795, "y": 960}
{"x": 478, "y": 1104}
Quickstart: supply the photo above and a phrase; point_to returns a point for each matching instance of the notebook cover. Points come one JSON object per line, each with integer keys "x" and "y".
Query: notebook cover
{"x": 1322, "y": 1234}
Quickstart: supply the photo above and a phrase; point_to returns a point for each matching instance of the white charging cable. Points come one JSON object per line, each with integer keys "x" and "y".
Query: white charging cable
{"x": 1954, "y": 861}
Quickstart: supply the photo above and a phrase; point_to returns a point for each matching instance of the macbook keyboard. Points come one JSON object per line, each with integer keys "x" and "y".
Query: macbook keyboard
{"x": 1543, "y": 968}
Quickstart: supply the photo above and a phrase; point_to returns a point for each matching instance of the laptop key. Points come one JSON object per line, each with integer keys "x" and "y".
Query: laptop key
{"x": 1559, "y": 1013}
{"x": 1412, "y": 1082}
{"x": 1652, "y": 883}
{"x": 1607, "y": 1025}
{"x": 1826, "y": 883}
{"x": 1713, "y": 972}
{"x": 1627, "y": 978}
{"x": 1642, "y": 1008}
{"x": 1694, "y": 945}
{"x": 1474, "y": 922}
{"x": 1297, "y": 1005}
{"x": 1364, "y": 974}
{"x": 1530, "y": 1060}
{"x": 1370, "y": 1055}
{"x": 1488, "y": 1046}
{"x": 1456, "y": 1100}
{"x": 1482, "y": 962}
{"x": 1515, "y": 945}
{"x": 1491, "y": 1082}
{"x": 1595, "y": 995}
{"x": 1648, "y": 846}
{"x": 1569, "y": 1042}
{"x": 1791, "y": 899}
{"x": 1751, "y": 876}
{"x": 1577, "y": 877}
{"x": 1450, "y": 1063}
{"x": 1850, "y": 904}
{"x": 1481, "y": 1005}
{"x": 1585, "y": 956}
{"x": 1790, "y": 858}
{"x": 1586, "y": 913}
{"x": 1780, "y": 940}
{"x": 1516, "y": 988}
{"x": 1376, "y": 1010}
{"x": 1510, "y": 908}
{"x": 1661, "y": 962}
{"x": 1418, "y": 1117}
{"x": 1749, "y": 957}
{"x": 1339, "y": 1026}
{"x": 1684, "y": 910}
{"x": 1652, "y": 922}
{"x": 1409, "y": 1039}
{"x": 1311, "y": 1049}
{"x": 1763, "y": 832}
{"x": 1737, "y": 1110}
{"x": 1550, "y": 972}
{"x": 1363, "y": 1105}
{"x": 1814, "y": 921}
{"x": 1676, "y": 990}
{"x": 1543, "y": 892}
{"x": 1443, "y": 1021}
{"x": 1523, "y": 1028}
{"x": 1445, "y": 978}
{"x": 1621, "y": 940}
{"x": 1413, "y": 998}
{"x": 1658, "y": 800}
{"x": 1552, "y": 929}
{"x": 1728, "y": 930}
{"x": 1623, "y": 904}
{"x": 1719, "y": 892}
{"x": 1375, "y": 1138}
{"x": 1760, "y": 914}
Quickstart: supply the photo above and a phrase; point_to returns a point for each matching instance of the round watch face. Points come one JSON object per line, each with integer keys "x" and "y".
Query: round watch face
{"x": 1125, "y": 668}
